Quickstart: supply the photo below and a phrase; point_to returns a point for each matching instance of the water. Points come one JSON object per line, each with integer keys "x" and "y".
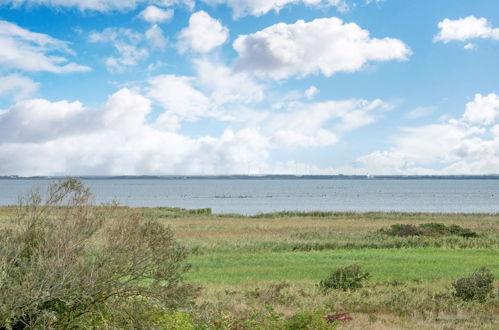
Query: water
{"x": 253, "y": 196}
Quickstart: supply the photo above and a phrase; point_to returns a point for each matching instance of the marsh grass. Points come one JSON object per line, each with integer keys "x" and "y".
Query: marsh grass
{"x": 276, "y": 232}
{"x": 383, "y": 305}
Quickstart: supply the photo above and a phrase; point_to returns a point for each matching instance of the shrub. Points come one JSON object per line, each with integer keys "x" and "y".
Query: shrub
{"x": 308, "y": 320}
{"x": 64, "y": 261}
{"x": 428, "y": 229}
{"x": 344, "y": 278}
{"x": 274, "y": 293}
{"x": 254, "y": 318}
{"x": 478, "y": 286}
{"x": 402, "y": 230}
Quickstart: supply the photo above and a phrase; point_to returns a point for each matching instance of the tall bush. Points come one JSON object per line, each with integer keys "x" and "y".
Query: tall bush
{"x": 64, "y": 261}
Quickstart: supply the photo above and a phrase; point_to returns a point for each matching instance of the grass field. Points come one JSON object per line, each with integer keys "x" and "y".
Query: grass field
{"x": 242, "y": 261}
{"x": 250, "y": 264}
{"x": 384, "y": 264}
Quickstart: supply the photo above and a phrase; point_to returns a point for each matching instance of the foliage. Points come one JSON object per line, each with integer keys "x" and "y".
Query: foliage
{"x": 402, "y": 230}
{"x": 274, "y": 293}
{"x": 254, "y": 318}
{"x": 478, "y": 286}
{"x": 309, "y": 321}
{"x": 344, "y": 278}
{"x": 64, "y": 261}
{"x": 429, "y": 230}
{"x": 173, "y": 212}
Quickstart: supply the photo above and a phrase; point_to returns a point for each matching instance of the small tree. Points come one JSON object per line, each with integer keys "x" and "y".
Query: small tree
{"x": 63, "y": 261}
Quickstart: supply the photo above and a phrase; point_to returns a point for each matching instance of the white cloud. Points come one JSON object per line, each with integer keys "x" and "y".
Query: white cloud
{"x": 34, "y": 52}
{"x": 98, "y": 5}
{"x": 217, "y": 92}
{"x": 156, "y": 37}
{"x": 483, "y": 110}
{"x": 420, "y": 112}
{"x": 176, "y": 95}
{"x": 203, "y": 34}
{"x": 318, "y": 124}
{"x": 190, "y": 4}
{"x": 126, "y": 42}
{"x": 469, "y": 46}
{"x": 225, "y": 86}
{"x": 20, "y": 87}
{"x": 311, "y": 92}
{"x": 469, "y": 145}
{"x": 261, "y": 7}
{"x": 115, "y": 140}
{"x": 325, "y": 46}
{"x": 209, "y": 94}
{"x": 38, "y": 120}
{"x": 466, "y": 29}
{"x": 154, "y": 15}
{"x": 118, "y": 138}
{"x": 126, "y": 111}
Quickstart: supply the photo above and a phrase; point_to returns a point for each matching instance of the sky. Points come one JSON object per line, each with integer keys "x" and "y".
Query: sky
{"x": 204, "y": 87}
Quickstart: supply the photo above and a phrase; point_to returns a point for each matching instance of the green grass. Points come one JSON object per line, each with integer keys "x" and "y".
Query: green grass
{"x": 384, "y": 265}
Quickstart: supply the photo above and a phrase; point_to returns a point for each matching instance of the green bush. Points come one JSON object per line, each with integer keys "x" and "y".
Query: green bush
{"x": 478, "y": 286}
{"x": 428, "y": 230}
{"x": 439, "y": 229}
{"x": 402, "y": 230}
{"x": 65, "y": 262}
{"x": 309, "y": 321}
{"x": 344, "y": 278}
{"x": 254, "y": 318}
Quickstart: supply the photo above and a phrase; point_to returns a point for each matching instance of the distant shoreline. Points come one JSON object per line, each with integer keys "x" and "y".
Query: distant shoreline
{"x": 259, "y": 177}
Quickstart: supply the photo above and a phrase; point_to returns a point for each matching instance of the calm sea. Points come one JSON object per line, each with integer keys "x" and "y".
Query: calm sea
{"x": 252, "y": 196}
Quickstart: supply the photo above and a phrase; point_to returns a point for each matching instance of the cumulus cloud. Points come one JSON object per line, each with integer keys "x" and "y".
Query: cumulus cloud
{"x": 154, "y": 15}
{"x": 234, "y": 97}
{"x": 312, "y": 124}
{"x": 311, "y": 92}
{"x": 34, "y": 52}
{"x": 203, "y": 34}
{"x": 38, "y": 120}
{"x": 469, "y": 145}
{"x": 465, "y": 29}
{"x": 261, "y": 7}
{"x": 156, "y": 37}
{"x": 207, "y": 95}
{"x": 226, "y": 86}
{"x": 483, "y": 110}
{"x": 121, "y": 138}
{"x": 114, "y": 140}
{"x": 96, "y": 5}
{"x": 324, "y": 46}
{"x": 19, "y": 86}
{"x": 179, "y": 98}
{"x": 126, "y": 42}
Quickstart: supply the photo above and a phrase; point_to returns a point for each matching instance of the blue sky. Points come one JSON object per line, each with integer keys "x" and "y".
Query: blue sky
{"x": 249, "y": 87}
